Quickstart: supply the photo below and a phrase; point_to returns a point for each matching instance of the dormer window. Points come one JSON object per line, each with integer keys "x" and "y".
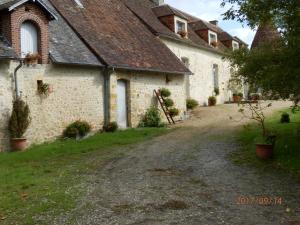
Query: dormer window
{"x": 235, "y": 45}
{"x": 212, "y": 38}
{"x": 29, "y": 39}
{"x": 180, "y": 27}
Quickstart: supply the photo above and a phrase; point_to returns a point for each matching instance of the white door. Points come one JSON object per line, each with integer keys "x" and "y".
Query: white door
{"x": 29, "y": 39}
{"x": 121, "y": 104}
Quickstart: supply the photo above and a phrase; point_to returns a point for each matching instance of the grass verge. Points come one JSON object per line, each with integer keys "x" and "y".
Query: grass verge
{"x": 48, "y": 179}
{"x": 287, "y": 149}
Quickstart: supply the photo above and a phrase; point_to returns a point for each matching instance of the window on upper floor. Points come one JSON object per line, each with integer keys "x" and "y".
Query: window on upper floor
{"x": 29, "y": 39}
{"x": 180, "y": 26}
{"x": 212, "y": 38}
{"x": 235, "y": 45}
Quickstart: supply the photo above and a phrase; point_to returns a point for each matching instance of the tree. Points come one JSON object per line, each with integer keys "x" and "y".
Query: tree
{"x": 274, "y": 66}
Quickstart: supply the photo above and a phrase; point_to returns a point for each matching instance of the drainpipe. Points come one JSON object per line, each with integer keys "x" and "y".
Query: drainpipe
{"x": 16, "y": 78}
{"x": 107, "y": 72}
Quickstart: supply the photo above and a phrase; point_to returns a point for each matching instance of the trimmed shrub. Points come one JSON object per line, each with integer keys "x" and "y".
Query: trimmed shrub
{"x": 173, "y": 112}
{"x": 164, "y": 92}
{"x": 191, "y": 103}
{"x": 77, "y": 128}
{"x": 212, "y": 101}
{"x": 169, "y": 102}
{"x": 19, "y": 119}
{"x": 110, "y": 127}
{"x": 285, "y": 118}
{"x": 152, "y": 118}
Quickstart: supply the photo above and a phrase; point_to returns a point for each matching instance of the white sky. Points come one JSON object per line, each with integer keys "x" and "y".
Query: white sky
{"x": 211, "y": 10}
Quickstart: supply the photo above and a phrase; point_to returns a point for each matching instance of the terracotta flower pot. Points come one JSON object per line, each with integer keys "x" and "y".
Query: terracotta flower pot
{"x": 236, "y": 98}
{"x": 18, "y": 144}
{"x": 264, "y": 151}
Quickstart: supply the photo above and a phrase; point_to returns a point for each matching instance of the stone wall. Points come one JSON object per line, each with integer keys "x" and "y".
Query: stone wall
{"x": 141, "y": 96}
{"x": 77, "y": 94}
{"x": 201, "y": 64}
{"x": 6, "y": 90}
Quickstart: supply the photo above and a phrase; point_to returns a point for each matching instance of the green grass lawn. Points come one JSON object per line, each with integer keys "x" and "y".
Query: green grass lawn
{"x": 48, "y": 179}
{"x": 287, "y": 149}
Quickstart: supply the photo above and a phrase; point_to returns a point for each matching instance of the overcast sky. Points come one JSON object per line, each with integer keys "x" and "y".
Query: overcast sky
{"x": 211, "y": 10}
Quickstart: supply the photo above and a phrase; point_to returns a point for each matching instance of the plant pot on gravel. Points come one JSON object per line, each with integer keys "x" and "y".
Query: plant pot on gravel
{"x": 18, "y": 124}
{"x": 264, "y": 151}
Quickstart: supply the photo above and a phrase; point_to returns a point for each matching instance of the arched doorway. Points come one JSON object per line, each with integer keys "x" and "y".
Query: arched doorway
{"x": 29, "y": 39}
{"x": 122, "y": 109}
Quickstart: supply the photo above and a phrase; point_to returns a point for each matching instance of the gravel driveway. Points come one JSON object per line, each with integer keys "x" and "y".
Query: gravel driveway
{"x": 186, "y": 177}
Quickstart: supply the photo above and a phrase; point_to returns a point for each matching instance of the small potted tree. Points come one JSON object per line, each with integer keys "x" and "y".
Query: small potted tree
{"x": 18, "y": 124}
{"x": 255, "y": 111}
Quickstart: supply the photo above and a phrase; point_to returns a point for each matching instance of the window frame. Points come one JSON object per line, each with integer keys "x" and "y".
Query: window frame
{"x": 212, "y": 33}
{"x": 178, "y": 19}
{"x": 235, "y": 43}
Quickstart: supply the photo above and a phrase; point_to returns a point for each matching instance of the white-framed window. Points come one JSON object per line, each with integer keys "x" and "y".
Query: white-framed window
{"x": 180, "y": 25}
{"x": 29, "y": 38}
{"x": 235, "y": 45}
{"x": 212, "y": 38}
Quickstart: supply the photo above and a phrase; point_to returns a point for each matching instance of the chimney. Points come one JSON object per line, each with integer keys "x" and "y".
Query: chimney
{"x": 214, "y": 22}
{"x": 158, "y": 2}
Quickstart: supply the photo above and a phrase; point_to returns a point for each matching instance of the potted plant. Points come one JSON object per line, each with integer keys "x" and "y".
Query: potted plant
{"x": 214, "y": 44}
{"x": 182, "y": 33}
{"x": 32, "y": 58}
{"x": 18, "y": 124}
{"x": 255, "y": 111}
{"x": 255, "y": 97}
{"x": 191, "y": 104}
{"x": 44, "y": 89}
{"x": 212, "y": 101}
{"x": 237, "y": 97}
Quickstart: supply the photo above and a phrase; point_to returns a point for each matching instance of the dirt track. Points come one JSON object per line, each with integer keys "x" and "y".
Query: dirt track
{"x": 186, "y": 177}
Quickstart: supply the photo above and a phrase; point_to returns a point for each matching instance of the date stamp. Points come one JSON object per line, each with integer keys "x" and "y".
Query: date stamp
{"x": 259, "y": 200}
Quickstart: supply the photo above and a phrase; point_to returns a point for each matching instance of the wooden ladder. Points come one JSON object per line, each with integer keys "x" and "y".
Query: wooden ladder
{"x": 161, "y": 100}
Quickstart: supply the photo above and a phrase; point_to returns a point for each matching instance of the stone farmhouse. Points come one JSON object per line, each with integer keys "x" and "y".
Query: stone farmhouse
{"x": 102, "y": 59}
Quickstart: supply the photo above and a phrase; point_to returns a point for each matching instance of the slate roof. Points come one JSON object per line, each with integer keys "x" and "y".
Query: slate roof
{"x": 5, "y": 50}
{"x": 265, "y": 33}
{"x": 143, "y": 9}
{"x": 118, "y": 37}
{"x": 166, "y": 10}
{"x": 65, "y": 47}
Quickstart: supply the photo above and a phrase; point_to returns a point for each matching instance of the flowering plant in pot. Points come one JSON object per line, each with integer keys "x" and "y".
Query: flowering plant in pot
{"x": 182, "y": 33}
{"x": 32, "y": 58}
{"x": 18, "y": 124}
{"x": 255, "y": 111}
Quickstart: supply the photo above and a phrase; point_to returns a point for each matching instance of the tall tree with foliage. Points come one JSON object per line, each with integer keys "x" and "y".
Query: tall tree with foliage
{"x": 274, "y": 66}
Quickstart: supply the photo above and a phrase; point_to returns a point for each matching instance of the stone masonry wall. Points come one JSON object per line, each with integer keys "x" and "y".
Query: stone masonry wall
{"x": 77, "y": 94}
{"x": 6, "y": 89}
{"x": 201, "y": 64}
{"x": 141, "y": 96}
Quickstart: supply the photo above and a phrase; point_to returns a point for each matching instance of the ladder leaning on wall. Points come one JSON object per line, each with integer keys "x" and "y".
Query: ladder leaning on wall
{"x": 165, "y": 109}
